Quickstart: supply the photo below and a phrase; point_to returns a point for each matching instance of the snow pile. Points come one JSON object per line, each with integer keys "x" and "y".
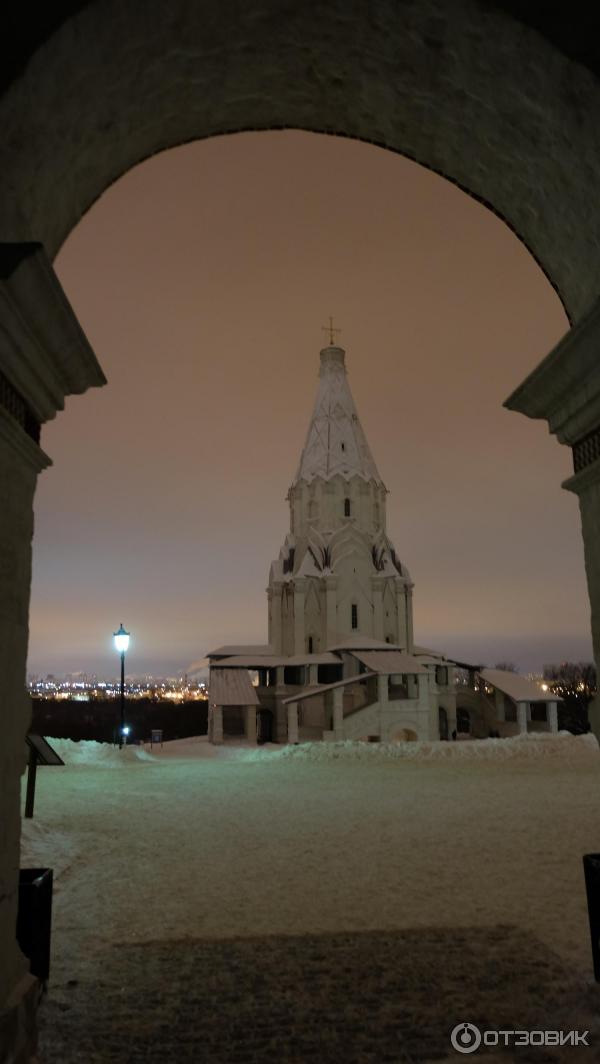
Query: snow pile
{"x": 43, "y": 846}
{"x": 97, "y": 755}
{"x": 534, "y": 746}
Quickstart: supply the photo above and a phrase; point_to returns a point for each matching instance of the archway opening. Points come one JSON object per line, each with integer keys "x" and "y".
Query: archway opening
{"x": 155, "y": 287}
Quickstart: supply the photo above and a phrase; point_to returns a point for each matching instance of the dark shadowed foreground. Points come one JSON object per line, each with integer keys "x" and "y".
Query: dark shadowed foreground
{"x": 365, "y": 998}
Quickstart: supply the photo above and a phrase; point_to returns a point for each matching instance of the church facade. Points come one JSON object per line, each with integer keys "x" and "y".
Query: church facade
{"x": 341, "y": 662}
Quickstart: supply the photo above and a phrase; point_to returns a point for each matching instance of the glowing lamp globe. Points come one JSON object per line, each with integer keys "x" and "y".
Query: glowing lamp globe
{"x": 121, "y": 639}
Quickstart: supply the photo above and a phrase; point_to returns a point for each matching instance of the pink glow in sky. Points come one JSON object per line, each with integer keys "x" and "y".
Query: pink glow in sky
{"x": 202, "y": 279}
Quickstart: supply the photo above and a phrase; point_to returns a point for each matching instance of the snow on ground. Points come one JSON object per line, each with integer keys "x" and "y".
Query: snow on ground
{"x": 564, "y": 748}
{"x": 190, "y": 842}
{"x": 97, "y": 755}
{"x": 195, "y": 840}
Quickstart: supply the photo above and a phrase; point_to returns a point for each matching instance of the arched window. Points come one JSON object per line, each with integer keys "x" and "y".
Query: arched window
{"x": 310, "y": 644}
{"x": 346, "y": 507}
{"x": 354, "y": 615}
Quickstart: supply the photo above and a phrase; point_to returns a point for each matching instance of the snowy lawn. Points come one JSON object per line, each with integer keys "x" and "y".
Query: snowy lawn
{"x": 192, "y": 842}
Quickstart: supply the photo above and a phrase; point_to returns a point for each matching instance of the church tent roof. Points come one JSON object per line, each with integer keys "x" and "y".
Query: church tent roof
{"x": 335, "y": 443}
{"x": 231, "y": 687}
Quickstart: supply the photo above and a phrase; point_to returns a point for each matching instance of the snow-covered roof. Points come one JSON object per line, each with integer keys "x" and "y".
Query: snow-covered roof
{"x": 231, "y": 687}
{"x": 270, "y": 661}
{"x": 516, "y": 687}
{"x": 335, "y": 443}
{"x": 390, "y": 661}
{"x": 259, "y": 650}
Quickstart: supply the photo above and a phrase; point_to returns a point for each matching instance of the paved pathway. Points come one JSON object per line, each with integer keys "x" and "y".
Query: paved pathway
{"x": 368, "y": 998}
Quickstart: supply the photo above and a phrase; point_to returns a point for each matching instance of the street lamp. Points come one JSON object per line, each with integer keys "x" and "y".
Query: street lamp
{"x": 121, "y": 639}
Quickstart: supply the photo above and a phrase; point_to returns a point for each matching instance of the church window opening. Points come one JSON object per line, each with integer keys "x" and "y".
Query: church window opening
{"x": 354, "y": 615}
{"x": 310, "y": 644}
{"x": 346, "y": 507}
{"x": 343, "y": 447}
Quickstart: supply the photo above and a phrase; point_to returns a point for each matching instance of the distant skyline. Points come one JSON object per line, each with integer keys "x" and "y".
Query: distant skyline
{"x": 203, "y": 279}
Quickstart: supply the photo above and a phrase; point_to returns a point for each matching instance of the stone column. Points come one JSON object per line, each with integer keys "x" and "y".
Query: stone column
{"x": 299, "y": 637}
{"x": 44, "y": 357}
{"x": 216, "y": 733}
{"x": 338, "y": 712}
{"x": 313, "y": 675}
{"x": 377, "y": 593}
{"x": 251, "y": 724}
{"x": 292, "y": 722}
{"x": 409, "y": 620}
{"x": 270, "y": 639}
{"x": 401, "y": 635}
{"x": 412, "y": 686}
{"x": 499, "y": 703}
{"x": 276, "y": 635}
{"x": 423, "y": 688}
{"x": 382, "y": 689}
{"x": 20, "y": 462}
{"x": 564, "y": 390}
{"x": 552, "y": 714}
{"x": 331, "y": 610}
{"x": 522, "y": 708}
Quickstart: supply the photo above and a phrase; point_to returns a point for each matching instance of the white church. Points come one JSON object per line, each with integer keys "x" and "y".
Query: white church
{"x": 341, "y": 662}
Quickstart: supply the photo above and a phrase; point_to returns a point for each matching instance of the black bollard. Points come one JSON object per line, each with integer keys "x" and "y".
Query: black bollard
{"x": 591, "y": 869}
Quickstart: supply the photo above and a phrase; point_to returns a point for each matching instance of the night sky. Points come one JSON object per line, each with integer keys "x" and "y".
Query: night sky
{"x": 202, "y": 279}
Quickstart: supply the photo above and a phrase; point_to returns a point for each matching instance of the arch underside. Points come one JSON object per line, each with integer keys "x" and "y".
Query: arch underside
{"x": 462, "y": 88}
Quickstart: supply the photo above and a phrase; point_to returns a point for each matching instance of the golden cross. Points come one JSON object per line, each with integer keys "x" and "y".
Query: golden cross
{"x": 330, "y": 329}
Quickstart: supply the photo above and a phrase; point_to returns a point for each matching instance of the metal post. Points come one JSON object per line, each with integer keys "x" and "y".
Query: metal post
{"x": 30, "y": 796}
{"x": 591, "y": 868}
{"x": 122, "y": 699}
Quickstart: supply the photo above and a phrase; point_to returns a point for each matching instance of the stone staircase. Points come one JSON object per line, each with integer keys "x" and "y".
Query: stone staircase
{"x": 361, "y": 722}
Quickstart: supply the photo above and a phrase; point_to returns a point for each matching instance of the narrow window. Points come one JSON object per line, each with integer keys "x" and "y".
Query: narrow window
{"x": 346, "y": 507}
{"x": 310, "y": 644}
{"x": 343, "y": 447}
{"x": 354, "y": 615}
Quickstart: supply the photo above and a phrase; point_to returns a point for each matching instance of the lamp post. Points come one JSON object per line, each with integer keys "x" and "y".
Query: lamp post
{"x": 121, "y": 639}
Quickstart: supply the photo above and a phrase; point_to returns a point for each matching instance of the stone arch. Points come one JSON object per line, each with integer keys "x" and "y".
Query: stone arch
{"x": 404, "y": 735}
{"x": 465, "y": 89}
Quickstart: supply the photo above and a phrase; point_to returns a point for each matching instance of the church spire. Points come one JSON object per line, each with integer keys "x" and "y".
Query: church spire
{"x": 335, "y": 443}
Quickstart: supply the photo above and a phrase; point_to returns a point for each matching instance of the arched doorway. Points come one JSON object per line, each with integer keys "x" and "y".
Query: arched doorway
{"x": 463, "y": 720}
{"x": 404, "y": 735}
